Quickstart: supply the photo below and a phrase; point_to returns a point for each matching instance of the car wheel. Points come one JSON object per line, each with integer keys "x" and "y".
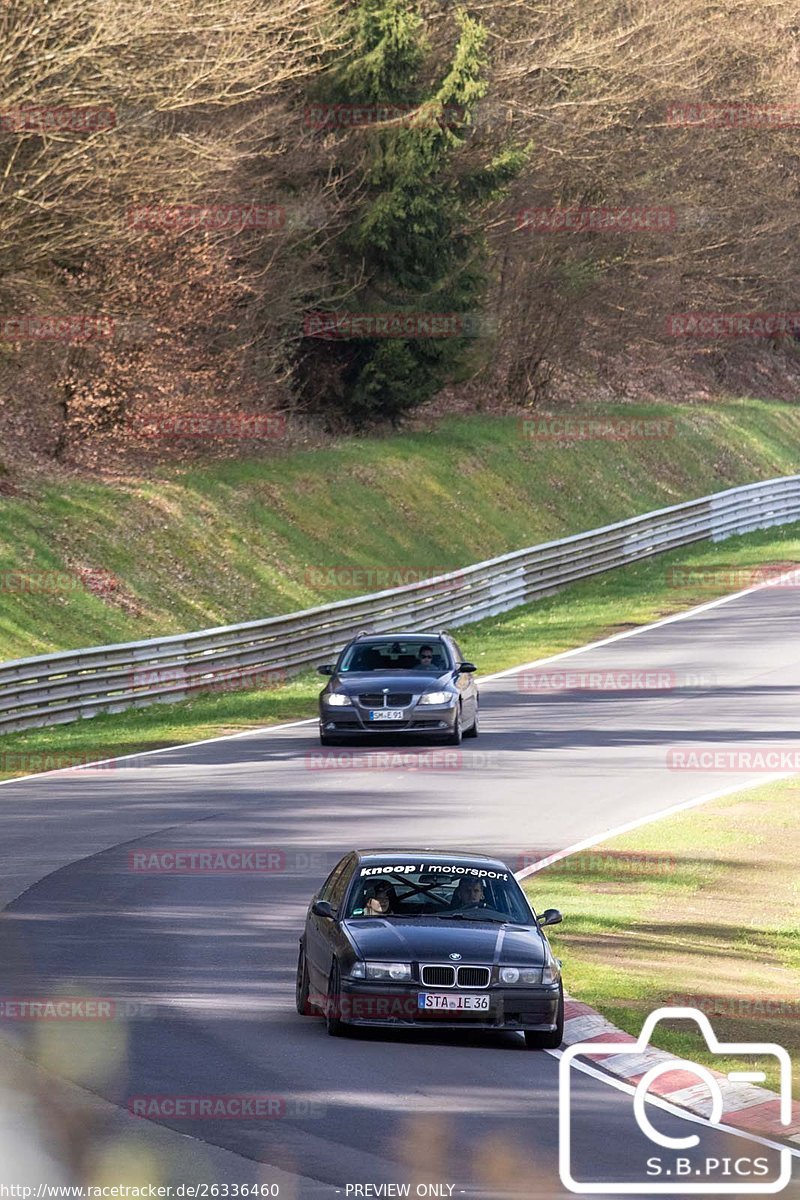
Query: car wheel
{"x": 302, "y": 987}
{"x": 333, "y": 1023}
{"x": 474, "y": 728}
{"x": 454, "y": 738}
{"x": 552, "y": 1040}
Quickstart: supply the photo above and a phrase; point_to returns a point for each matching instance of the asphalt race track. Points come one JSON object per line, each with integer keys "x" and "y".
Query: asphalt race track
{"x": 211, "y": 957}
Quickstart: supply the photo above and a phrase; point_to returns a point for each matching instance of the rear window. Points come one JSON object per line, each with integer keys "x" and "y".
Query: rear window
{"x": 440, "y": 889}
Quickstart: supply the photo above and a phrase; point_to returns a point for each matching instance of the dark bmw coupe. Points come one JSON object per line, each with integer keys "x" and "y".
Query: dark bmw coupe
{"x": 421, "y": 938}
{"x": 406, "y": 683}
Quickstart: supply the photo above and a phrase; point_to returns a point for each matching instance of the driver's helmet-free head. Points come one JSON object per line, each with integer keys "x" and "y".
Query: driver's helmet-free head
{"x": 470, "y": 890}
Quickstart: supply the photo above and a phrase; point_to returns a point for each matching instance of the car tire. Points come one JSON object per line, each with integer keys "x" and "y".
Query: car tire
{"x": 474, "y": 728}
{"x": 552, "y": 1039}
{"x": 333, "y": 1023}
{"x": 302, "y": 986}
{"x": 454, "y": 738}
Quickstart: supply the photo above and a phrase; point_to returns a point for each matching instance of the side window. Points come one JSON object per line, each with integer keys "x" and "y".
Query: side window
{"x": 456, "y": 650}
{"x": 328, "y": 887}
{"x": 339, "y": 886}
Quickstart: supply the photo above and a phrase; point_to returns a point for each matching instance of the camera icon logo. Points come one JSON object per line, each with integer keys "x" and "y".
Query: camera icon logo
{"x": 695, "y": 1182}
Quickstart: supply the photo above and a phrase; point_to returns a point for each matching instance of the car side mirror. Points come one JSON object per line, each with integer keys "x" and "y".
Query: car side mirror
{"x": 550, "y": 916}
{"x": 326, "y": 669}
{"x": 321, "y": 908}
{"x": 467, "y": 667}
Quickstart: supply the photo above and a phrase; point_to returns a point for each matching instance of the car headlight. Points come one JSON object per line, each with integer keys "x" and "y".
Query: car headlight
{"x": 436, "y": 698}
{"x": 552, "y": 971}
{"x": 357, "y": 970}
{"x": 523, "y": 975}
{"x": 387, "y": 970}
{"x": 338, "y": 699}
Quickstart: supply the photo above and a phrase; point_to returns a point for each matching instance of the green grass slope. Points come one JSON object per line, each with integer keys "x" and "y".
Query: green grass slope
{"x": 240, "y": 540}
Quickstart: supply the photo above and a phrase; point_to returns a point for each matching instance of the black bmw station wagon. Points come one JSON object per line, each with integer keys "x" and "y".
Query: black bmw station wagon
{"x": 400, "y": 683}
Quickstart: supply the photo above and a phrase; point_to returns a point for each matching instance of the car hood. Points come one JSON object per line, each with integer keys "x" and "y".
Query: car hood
{"x": 415, "y": 682}
{"x": 435, "y": 938}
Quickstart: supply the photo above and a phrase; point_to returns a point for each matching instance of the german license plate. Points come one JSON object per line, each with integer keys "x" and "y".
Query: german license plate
{"x": 442, "y": 1001}
{"x": 386, "y": 714}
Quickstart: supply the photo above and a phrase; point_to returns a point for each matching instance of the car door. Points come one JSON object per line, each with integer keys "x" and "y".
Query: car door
{"x": 321, "y": 932}
{"x": 467, "y": 687}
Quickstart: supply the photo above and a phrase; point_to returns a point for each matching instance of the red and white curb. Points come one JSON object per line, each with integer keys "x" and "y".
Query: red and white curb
{"x": 747, "y": 1107}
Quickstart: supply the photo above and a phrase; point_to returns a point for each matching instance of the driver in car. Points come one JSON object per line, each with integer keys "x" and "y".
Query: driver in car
{"x": 468, "y": 893}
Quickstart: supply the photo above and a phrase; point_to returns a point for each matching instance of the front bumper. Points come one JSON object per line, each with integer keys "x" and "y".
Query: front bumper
{"x": 433, "y": 720}
{"x": 396, "y": 1005}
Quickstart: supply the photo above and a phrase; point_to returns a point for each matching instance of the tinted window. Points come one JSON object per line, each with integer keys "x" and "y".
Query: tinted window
{"x": 328, "y": 887}
{"x": 340, "y": 882}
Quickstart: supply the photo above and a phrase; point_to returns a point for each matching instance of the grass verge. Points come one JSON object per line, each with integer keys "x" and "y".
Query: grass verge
{"x": 88, "y": 562}
{"x": 698, "y": 909}
{"x": 583, "y": 612}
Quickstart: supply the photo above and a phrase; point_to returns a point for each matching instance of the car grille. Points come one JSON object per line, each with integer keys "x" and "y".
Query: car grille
{"x": 473, "y": 976}
{"x": 438, "y": 976}
{"x": 433, "y": 976}
{"x": 391, "y": 700}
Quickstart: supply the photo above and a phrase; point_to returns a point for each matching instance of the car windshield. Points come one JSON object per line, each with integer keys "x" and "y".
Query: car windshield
{"x": 451, "y": 891}
{"x": 387, "y": 654}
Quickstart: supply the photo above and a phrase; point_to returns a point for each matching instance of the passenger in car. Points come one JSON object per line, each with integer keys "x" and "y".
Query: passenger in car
{"x": 379, "y": 899}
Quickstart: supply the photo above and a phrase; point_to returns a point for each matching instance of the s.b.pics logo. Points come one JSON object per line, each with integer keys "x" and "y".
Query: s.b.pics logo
{"x": 667, "y": 1152}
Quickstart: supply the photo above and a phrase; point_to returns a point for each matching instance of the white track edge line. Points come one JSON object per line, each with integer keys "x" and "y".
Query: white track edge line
{"x": 637, "y": 822}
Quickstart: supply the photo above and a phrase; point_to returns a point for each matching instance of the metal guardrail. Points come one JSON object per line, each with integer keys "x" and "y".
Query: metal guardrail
{"x": 55, "y": 688}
